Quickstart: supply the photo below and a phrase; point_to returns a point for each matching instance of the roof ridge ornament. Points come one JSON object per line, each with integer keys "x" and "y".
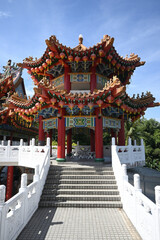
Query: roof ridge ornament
{"x": 80, "y": 39}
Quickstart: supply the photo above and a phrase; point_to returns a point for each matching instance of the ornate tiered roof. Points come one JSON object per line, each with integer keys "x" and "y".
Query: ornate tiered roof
{"x": 112, "y": 95}
{"x": 112, "y": 70}
{"x": 103, "y": 56}
{"x": 11, "y": 83}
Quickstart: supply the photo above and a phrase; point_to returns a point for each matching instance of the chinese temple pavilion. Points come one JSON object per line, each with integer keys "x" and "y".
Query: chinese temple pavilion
{"x": 11, "y": 82}
{"x": 11, "y": 127}
{"x": 81, "y": 88}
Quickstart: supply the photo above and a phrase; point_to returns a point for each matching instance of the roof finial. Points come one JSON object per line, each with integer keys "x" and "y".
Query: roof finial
{"x": 80, "y": 39}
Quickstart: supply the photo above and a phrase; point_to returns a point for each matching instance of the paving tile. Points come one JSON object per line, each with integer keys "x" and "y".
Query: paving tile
{"x": 79, "y": 223}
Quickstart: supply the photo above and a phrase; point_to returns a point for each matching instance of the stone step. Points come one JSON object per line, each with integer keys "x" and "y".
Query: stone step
{"x": 81, "y": 192}
{"x": 80, "y": 186}
{"x": 55, "y": 168}
{"x": 80, "y": 177}
{"x": 91, "y": 198}
{"x": 82, "y": 204}
{"x": 57, "y": 173}
{"x": 80, "y": 181}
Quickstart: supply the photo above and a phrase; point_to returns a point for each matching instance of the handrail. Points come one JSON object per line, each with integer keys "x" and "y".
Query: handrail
{"x": 143, "y": 213}
{"x": 17, "y": 211}
{"x": 131, "y": 155}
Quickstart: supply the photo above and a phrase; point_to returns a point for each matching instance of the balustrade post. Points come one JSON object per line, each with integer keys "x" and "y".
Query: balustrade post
{"x": 113, "y": 141}
{"x": 8, "y": 148}
{"x": 2, "y": 143}
{"x": 124, "y": 179}
{"x": 23, "y": 189}
{"x": 20, "y": 150}
{"x": 137, "y": 182}
{"x": 36, "y": 173}
{"x": 137, "y": 190}
{"x": 135, "y": 142}
{"x": 23, "y": 182}
{"x": 33, "y": 142}
{"x": 142, "y": 142}
{"x": 21, "y": 142}
{"x": 130, "y": 152}
{"x": 124, "y": 172}
{"x": 48, "y": 142}
{"x": 143, "y": 151}
{"x": 157, "y": 200}
{"x": 77, "y": 148}
{"x": 2, "y": 211}
{"x": 129, "y": 141}
{"x": 36, "y": 178}
{"x": 48, "y": 145}
{"x": 9, "y": 142}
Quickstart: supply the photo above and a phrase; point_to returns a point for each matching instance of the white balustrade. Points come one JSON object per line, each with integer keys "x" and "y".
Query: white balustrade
{"x": 17, "y": 211}
{"x": 143, "y": 213}
{"x": 132, "y": 155}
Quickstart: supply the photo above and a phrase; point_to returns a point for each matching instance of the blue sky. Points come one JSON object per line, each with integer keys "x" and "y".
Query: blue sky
{"x": 135, "y": 25}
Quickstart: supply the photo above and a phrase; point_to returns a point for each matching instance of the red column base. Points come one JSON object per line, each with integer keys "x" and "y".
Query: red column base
{"x": 60, "y": 159}
{"x": 99, "y": 159}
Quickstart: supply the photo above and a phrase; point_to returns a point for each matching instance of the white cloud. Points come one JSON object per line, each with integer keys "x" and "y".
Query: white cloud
{"x": 4, "y": 14}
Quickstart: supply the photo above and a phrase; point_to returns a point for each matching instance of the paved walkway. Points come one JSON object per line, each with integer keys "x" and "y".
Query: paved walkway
{"x": 79, "y": 224}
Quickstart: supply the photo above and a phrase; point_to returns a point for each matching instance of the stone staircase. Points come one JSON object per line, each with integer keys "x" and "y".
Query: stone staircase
{"x": 80, "y": 186}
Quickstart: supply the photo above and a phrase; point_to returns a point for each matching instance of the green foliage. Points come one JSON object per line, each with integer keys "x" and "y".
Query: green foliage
{"x": 149, "y": 131}
{"x": 106, "y": 138}
{"x": 82, "y": 138}
{"x": 82, "y": 135}
{"x": 74, "y": 144}
{"x": 54, "y": 143}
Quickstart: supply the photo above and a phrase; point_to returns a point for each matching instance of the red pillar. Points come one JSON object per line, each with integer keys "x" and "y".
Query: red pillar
{"x": 69, "y": 142}
{"x": 9, "y": 183}
{"x": 99, "y": 137}
{"x": 67, "y": 83}
{"x": 121, "y": 134}
{"x": 61, "y": 137}
{"x": 41, "y": 138}
{"x": 92, "y": 140}
{"x": 93, "y": 81}
{"x": 114, "y": 134}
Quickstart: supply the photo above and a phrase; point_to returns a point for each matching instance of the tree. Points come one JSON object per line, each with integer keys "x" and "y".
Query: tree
{"x": 149, "y": 131}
